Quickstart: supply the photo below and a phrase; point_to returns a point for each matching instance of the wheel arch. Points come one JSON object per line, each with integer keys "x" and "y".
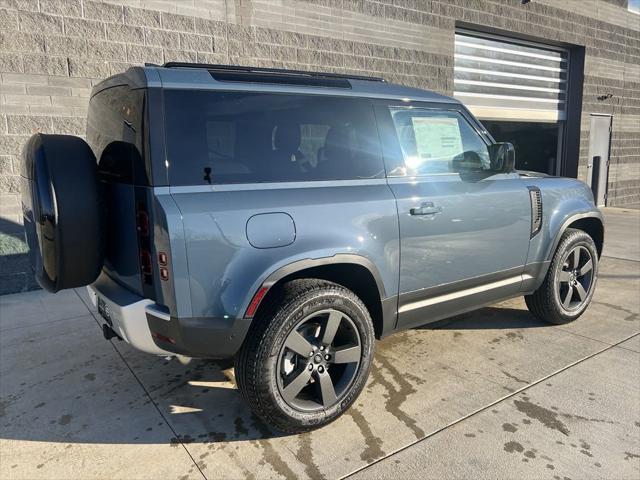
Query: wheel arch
{"x": 590, "y": 222}
{"x": 355, "y": 272}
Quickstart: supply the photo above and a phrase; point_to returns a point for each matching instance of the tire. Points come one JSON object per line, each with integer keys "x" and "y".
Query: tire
{"x": 563, "y": 295}
{"x": 62, "y": 215}
{"x": 266, "y": 366}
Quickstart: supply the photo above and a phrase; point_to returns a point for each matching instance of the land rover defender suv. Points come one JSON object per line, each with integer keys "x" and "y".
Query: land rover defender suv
{"x": 287, "y": 219}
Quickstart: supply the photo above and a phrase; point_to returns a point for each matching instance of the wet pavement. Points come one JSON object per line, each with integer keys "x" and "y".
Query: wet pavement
{"x": 490, "y": 394}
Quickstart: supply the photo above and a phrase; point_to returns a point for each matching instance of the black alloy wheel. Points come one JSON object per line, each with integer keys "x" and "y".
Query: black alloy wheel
{"x": 319, "y": 360}
{"x": 575, "y": 279}
{"x": 307, "y": 355}
{"x": 570, "y": 281}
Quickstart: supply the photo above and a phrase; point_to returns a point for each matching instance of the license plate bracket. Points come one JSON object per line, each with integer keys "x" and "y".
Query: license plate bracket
{"x": 103, "y": 310}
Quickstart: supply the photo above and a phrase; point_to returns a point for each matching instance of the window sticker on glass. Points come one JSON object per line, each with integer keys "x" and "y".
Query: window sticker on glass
{"x": 435, "y": 142}
{"x": 437, "y": 138}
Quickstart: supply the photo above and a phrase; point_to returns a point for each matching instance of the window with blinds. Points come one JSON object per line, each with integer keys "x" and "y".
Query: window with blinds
{"x": 503, "y": 79}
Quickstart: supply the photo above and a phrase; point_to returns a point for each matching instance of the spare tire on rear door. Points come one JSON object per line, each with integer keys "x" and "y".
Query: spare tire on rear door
{"x": 62, "y": 215}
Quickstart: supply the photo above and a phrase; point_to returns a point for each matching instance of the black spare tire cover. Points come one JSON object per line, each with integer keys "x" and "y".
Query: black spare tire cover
{"x": 61, "y": 207}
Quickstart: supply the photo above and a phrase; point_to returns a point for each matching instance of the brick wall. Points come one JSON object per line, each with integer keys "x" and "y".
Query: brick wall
{"x": 53, "y": 51}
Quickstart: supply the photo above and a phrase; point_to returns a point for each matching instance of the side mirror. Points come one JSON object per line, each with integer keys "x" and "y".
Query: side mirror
{"x": 503, "y": 157}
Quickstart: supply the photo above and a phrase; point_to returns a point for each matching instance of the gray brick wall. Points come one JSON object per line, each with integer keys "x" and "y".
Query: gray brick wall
{"x": 53, "y": 51}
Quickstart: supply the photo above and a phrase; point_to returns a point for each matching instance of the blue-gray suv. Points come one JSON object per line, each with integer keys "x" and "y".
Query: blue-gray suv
{"x": 287, "y": 219}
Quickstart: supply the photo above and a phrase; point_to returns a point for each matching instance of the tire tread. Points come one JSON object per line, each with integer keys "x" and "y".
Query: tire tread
{"x": 541, "y": 303}
{"x": 260, "y": 338}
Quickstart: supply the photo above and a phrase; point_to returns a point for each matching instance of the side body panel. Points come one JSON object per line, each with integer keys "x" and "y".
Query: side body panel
{"x": 342, "y": 217}
{"x": 482, "y": 228}
{"x": 477, "y": 245}
{"x": 224, "y": 247}
{"x": 464, "y": 233}
{"x": 506, "y": 242}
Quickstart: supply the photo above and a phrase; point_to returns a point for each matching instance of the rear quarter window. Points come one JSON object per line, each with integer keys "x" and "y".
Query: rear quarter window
{"x": 237, "y": 137}
{"x": 114, "y": 133}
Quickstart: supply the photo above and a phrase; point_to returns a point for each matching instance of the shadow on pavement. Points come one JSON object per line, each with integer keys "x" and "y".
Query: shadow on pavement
{"x": 90, "y": 397}
{"x": 493, "y": 318}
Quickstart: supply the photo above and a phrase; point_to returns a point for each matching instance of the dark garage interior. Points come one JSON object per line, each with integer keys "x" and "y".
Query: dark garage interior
{"x": 536, "y": 144}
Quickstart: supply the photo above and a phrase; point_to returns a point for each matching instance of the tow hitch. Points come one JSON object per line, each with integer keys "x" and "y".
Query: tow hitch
{"x": 109, "y": 332}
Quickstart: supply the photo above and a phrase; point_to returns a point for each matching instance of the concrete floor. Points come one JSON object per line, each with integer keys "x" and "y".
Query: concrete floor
{"x": 491, "y": 394}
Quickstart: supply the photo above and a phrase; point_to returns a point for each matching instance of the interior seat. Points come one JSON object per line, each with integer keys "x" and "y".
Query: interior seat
{"x": 286, "y": 156}
{"x": 337, "y": 154}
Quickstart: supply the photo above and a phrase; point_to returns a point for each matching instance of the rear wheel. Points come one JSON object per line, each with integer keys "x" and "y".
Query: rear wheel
{"x": 307, "y": 356}
{"x": 570, "y": 282}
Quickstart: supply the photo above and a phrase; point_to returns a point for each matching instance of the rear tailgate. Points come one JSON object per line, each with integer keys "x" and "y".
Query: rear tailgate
{"x": 116, "y": 135}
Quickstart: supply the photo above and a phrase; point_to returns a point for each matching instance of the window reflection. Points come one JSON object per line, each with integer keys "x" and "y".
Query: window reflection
{"x": 438, "y": 141}
{"x": 231, "y": 137}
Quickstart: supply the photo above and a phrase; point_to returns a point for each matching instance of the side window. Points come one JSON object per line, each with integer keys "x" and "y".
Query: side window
{"x": 233, "y": 137}
{"x": 312, "y": 140}
{"x": 437, "y": 141}
{"x": 114, "y": 133}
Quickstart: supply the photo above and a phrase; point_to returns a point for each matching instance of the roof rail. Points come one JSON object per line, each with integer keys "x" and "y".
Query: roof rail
{"x": 273, "y": 71}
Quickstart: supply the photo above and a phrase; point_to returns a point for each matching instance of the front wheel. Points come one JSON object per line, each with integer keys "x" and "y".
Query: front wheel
{"x": 307, "y": 356}
{"x": 570, "y": 282}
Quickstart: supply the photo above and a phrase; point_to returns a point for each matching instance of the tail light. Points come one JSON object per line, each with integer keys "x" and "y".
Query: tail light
{"x": 142, "y": 221}
{"x": 163, "y": 261}
{"x": 145, "y": 262}
{"x": 144, "y": 242}
{"x": 164, "y": 273}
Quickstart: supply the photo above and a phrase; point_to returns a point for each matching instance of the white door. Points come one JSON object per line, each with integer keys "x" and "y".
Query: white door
{"x": 598, "y": 166}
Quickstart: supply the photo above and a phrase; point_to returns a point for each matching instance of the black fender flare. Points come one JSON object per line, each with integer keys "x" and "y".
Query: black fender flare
{"x": 572, "y": 218}
{"x": 389, "y": 306}
{"x": 340, "y": 258}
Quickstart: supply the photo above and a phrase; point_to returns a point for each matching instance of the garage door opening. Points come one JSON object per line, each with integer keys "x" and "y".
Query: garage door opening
{"x": 518, "y": 90}
{"x": 537, "y": 144}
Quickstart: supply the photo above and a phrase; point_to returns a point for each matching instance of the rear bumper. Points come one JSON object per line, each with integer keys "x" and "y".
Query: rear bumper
{"x": 206, "y": 337}
{"x": 147, "y": 326}
{"x": 125, "y": 312}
